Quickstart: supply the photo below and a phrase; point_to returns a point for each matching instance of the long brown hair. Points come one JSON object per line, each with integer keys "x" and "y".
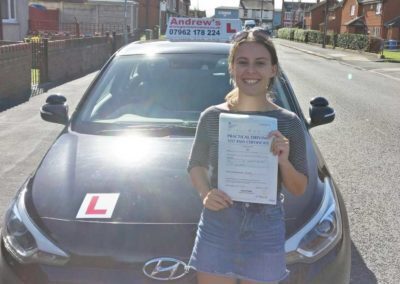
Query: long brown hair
{"x": 249, "y": 36}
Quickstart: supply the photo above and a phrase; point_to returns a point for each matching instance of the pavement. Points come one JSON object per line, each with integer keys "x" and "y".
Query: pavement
{"x": 365, "y": 61}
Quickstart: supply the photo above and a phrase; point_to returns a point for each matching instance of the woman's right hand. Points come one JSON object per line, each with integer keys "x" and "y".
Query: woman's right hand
{"x": 216, "y": 200}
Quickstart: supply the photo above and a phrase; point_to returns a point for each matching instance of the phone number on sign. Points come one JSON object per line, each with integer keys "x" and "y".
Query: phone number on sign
{"x": 194, "y": 32}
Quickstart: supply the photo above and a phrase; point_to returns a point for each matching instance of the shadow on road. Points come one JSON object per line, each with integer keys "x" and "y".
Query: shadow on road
{"x": 360, "y": 273}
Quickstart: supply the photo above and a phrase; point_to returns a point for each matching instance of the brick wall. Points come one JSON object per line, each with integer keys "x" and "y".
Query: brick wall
{"x": 67, "y": 59}
{"x": 74, "y": 57}
{"x": 15, "y": 72}
{"x": 317, "y": 17}
{"x": 148, "y": 13}
{"x": 46, "y": 20}
{"x": 394, "y": 33}
{"x": 335, "y": 20}
{"x": 370, "y": 16}
{"x": 346, "y": 14}
{"x": 391, "y": 9}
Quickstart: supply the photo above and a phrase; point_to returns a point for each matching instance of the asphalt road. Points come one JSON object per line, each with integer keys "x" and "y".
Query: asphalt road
{"x": 361, "y": 149}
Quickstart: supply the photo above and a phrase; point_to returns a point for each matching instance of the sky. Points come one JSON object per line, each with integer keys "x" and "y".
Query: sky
{"x": 210, "y": 5}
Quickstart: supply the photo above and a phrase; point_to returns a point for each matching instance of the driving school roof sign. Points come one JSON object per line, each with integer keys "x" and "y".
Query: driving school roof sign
{"x": 202, "y": 29}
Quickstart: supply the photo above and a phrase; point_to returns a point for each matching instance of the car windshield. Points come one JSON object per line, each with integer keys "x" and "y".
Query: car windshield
{"x": 156, "y": 90}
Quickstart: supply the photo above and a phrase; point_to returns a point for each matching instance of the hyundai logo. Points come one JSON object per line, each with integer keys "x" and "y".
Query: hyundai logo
{"x": 165, "y": 268}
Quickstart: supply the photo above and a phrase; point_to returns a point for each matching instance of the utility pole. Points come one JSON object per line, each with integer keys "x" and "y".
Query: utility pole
{"x": 292, "y": 15}
{"x": 125, "y": 23}
{"x": 325, "y": 23}
{"x": 1, "y": 24}
{"x": 161, "y": 8}
{"x": 382, "y": 31}
{"x": 261, "y": 14}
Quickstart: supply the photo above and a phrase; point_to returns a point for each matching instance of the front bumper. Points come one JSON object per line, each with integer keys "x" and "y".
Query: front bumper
{"x": 333, "y": 268}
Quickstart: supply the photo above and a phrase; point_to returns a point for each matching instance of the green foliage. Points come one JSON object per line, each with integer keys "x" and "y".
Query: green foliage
{"x": 286, "y": 33}
{"x": 300, "y": 35}
{"x": 353, "y": 41}
{"x": 315, "y": 36}
{"x": 346, "y": 40}
{"x": 392, "y": 55}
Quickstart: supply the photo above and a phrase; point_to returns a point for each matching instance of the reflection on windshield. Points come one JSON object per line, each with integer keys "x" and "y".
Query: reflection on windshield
{"x": 157, "y": 89}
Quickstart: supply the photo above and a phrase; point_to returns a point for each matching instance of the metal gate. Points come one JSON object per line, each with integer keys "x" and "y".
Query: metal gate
{"x": 39, "y": 69}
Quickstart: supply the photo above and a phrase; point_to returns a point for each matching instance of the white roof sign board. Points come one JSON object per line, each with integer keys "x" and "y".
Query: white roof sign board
{"x": 202, "y": 29}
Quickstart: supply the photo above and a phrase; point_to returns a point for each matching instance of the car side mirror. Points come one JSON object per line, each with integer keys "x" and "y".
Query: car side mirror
{"x": 320, "y": 112}
{"x": 55, "y": 110}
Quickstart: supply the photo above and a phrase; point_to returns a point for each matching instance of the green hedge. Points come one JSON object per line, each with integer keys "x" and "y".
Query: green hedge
{"x": 346, "y": 40}
{"x": 353, "y": 41}
{"x": 286, "y": 33}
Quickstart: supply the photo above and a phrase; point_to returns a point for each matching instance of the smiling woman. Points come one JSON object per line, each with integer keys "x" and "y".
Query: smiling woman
{"x": 236, "y": 240}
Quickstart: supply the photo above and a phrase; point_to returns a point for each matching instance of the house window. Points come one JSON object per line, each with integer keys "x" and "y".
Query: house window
{"x": 352, "y": 10}
{"x": 378, "y": 8}
{"x": 376, "y": 31}
{"x": 8, "y": 10}
{"x": 245, "y": 13}
{"x": 288, "y": 16}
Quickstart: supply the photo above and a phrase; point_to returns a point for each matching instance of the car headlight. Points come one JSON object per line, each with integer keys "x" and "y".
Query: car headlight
{"x": 24, "y": 240}
{"x": 320, "y": 234}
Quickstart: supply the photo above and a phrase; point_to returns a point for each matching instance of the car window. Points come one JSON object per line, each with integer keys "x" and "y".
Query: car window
{"x": 162, "y": 88}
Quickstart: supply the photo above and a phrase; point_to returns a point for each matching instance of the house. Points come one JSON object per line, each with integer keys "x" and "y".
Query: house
{"x": 293, "y": 13}
{"x": 334, "y": 17}
{"x": 14, "y": 19}
{"x": 393, "y": 29}
{"x": 379, "y": 18}
{"x": 157, "y": 12}
{"x": 197, "y": 13}
{"x": 262, "y": 11}
{"x": 93, "y": 16}
{"x": 224, "y": 12}
{"x": 314, "y": 16}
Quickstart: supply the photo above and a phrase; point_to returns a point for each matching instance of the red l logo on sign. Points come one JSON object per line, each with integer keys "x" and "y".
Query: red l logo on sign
{"x": 229, "y": 29}
{"x": 92, "y": 207}
{"x": 98, "y": 205}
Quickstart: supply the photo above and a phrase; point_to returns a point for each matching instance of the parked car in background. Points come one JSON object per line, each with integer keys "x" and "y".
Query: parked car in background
{"x": 248, "y": 24}
{"x": 111, "y": 201}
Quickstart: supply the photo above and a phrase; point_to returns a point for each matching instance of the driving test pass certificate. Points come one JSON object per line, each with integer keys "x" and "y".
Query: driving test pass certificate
{"x": 247, "y": 170}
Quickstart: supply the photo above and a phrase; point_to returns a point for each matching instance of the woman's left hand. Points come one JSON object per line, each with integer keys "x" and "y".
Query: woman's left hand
{"x": 279, "y": 146}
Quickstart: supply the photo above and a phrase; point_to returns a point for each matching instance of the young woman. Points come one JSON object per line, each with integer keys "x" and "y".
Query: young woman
{"x": 237, "y": 240}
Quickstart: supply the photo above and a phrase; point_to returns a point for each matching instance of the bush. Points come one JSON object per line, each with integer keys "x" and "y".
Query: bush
{"x": 286, "y": 33}
{"x": 300, "y": 35}
{"x": 314, "y": 36}
{"x": 374, "y": 44}
{"x": 346, "y": 40}
{"x": 353, "y": 41}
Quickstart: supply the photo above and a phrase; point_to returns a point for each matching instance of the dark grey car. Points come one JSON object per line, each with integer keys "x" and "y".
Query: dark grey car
{"x": 111, "y": 201}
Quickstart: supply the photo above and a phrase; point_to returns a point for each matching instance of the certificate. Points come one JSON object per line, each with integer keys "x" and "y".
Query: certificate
{"x": 247, "y": 170}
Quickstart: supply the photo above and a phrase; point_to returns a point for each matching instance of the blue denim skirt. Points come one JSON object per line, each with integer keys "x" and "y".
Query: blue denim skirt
{"x": 244, "y": 241}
